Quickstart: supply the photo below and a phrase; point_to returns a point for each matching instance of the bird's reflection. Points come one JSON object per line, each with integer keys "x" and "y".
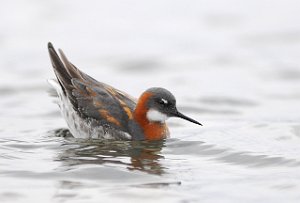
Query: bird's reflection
{"x": 133, "y": 155}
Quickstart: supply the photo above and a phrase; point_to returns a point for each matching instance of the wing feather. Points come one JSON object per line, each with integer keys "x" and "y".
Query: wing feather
{"x": 90, "y": 98}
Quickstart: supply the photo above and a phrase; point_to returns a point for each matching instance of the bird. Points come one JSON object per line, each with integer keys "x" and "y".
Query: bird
{"x": 95, "y": 110}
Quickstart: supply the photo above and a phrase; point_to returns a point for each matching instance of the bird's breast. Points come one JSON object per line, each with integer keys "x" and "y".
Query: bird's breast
{"x": 155, "y": 131}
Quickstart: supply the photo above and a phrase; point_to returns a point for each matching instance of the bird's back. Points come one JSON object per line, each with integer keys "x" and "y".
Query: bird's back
{"x": 91, "y": 108}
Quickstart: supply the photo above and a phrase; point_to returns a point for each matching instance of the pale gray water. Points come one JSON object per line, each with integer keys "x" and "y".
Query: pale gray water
{"x": 233, "y": 65}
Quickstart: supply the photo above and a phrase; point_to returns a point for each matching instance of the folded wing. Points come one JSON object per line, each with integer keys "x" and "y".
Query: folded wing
{"x": 90, "y": 98}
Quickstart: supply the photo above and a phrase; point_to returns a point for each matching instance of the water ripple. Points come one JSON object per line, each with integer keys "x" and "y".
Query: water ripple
{"x": 229, "y": 156}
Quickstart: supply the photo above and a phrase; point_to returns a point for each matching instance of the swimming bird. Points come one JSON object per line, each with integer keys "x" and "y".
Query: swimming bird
{"x": 93, "y": 109}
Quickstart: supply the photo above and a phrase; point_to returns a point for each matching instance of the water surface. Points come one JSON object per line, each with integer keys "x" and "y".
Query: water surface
{"x": 233, "y": 66}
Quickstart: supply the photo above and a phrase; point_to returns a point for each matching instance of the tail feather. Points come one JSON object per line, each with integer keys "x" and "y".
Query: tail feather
{"x": 60, "y": 71}
{"x": 63, "y": 74}
{"x": 71, "y": 69}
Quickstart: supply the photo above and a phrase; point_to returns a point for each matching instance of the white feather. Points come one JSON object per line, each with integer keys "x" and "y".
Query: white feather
{"x": 155, "y": 116}
{"x": 79, "y": 127}
{"x": 164, "y": 101}
{"x": 54, "y": 84}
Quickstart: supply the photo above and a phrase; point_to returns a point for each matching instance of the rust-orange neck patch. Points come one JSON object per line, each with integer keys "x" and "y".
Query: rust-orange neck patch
{"x": 152, "y": 130}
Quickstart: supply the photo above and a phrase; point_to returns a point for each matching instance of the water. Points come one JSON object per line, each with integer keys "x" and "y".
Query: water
{"x": 233, "y": 66}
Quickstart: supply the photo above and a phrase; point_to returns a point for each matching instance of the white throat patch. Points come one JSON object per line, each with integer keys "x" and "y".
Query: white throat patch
{"x": 156, "y": 116}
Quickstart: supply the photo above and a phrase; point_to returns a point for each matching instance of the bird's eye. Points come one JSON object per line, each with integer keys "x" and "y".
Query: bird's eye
{"x": 163, "y": 102}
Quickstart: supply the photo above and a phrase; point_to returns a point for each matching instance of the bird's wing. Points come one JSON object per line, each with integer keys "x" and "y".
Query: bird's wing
{"x": 90, "y": 98}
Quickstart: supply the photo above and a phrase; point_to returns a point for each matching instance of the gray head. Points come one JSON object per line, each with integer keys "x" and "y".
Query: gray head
{"x": 162, "y": 105}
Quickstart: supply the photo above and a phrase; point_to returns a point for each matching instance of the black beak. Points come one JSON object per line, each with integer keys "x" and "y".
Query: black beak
{"x": 180, "y": 115}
